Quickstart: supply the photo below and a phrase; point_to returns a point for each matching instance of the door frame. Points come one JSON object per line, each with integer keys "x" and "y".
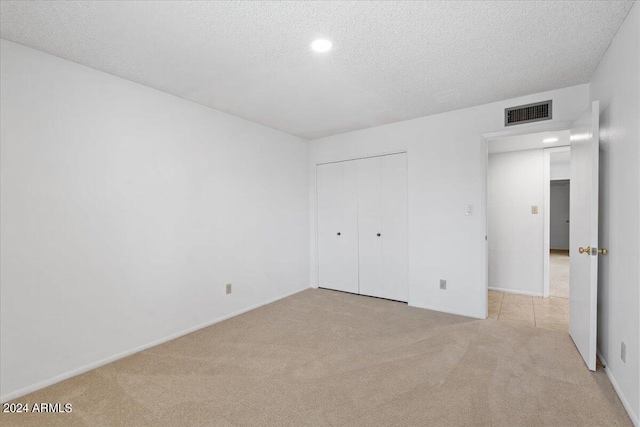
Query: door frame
{"x": 484, "y": 141}
{"x": 350, "y": 159}
{"x": 315, "y": 208}
{"x": 547, "y": 212}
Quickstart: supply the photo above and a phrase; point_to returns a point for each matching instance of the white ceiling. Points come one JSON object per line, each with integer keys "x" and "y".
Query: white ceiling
{"x": 391, "y": 61}
{"x": 530, "y": 141}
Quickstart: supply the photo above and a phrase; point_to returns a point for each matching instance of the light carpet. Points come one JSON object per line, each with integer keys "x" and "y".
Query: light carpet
{"x": 329, "y": 358}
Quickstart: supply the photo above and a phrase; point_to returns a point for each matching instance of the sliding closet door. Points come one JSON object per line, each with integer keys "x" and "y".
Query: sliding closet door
{"x": 338, "y": 226}
{"x": 370, "y": 227}
{"x": 382, "y": 226}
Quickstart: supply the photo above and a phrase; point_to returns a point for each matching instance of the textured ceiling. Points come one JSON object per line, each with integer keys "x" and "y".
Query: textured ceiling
{"x": 391, "y": 61}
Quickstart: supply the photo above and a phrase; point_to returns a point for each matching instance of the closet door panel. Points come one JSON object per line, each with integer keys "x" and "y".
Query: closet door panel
{"x": 369, "y": 226}
{"x": 337, "y": 197}
{"x": 382, "y": 227}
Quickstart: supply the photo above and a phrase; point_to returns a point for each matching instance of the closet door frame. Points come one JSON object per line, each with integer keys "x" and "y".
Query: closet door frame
{"x": 349, "y": 159}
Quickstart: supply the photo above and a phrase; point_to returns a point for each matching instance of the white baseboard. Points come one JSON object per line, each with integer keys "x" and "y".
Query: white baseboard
{"x": 442, "y": 310}
{"x": 616, "y": 387}
{"x": 512, "y": 291}
{"x": 102, "y": 362}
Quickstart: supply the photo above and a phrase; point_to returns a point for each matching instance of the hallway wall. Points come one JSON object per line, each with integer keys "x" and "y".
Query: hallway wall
{"x": 515, "y": 183}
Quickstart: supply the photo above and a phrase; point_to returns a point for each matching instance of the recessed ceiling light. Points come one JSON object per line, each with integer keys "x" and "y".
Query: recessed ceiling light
{"x": 321, "y": 45}
{"x": 549, "y": 140}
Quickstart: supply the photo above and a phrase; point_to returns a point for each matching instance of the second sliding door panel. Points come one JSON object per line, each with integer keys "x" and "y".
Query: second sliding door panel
{"x": 370, "y": 227}
{"x": 383, "y": 226}
{"x": 338, "y": 226}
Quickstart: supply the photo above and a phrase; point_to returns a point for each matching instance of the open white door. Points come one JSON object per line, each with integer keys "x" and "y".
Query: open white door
{"x": 583, "y": 290}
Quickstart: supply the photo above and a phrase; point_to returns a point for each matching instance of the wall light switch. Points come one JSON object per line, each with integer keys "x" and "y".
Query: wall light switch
{"x": 443, "y": 284}
{"x": 468, "y": 210}
{"x": 228, "y": 288}
{"x": 534, "y": 209}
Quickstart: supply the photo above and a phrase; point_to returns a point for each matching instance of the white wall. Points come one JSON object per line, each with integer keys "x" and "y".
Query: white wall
{"x": 516, "y": 236}
{"x": 616, "y": 84}
{"x": 447, "y": 170}
{"x": 559, "y": 210}
{"x": 125, "y": 211}
{"x": 560, "y": 169}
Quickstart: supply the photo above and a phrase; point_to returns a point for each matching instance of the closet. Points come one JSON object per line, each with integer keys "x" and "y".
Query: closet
{"x": 362, "y": 226}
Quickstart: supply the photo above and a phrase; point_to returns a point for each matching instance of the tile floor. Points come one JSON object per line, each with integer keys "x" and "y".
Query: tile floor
{"x": 559, "y": 273}
{"x": 547, "y": 313}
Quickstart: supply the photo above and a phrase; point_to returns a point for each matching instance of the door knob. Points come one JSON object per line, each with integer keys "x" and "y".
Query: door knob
{"x": 586, "y": 250}
{"x": 338, "y": 233}
{"x": 603, "y": 251}
{"x": 378, "y": 234}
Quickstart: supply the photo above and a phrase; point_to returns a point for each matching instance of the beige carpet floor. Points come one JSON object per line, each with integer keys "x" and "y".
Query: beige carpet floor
{"x": 329, "y": 358}
{"x": 559, "y": 274}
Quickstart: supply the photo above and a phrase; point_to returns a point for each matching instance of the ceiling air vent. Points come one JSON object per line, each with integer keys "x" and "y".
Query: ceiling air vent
{"x": 527, "y": 113}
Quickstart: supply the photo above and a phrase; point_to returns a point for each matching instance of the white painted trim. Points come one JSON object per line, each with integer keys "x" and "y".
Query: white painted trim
{"x": 442, "y": 310}
{"x": 102, "y": 362}
{"x": 408, "y": 235}
{"x": 513, "y": 291}
{"x": 528, "y": 128}
{"x": 350, "y": 159}
{"x": 546, "y": 257}
{"x": 484, "y": 214}
{"x": 616, "y": 387}
{"x": 317, "y": 241}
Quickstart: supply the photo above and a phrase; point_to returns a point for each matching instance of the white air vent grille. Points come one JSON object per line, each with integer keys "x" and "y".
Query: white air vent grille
{"x": 527, "y": 113}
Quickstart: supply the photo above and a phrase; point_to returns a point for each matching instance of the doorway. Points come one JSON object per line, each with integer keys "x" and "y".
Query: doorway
{"x": 583, "y": 140}
{"x": 521, "y": 202}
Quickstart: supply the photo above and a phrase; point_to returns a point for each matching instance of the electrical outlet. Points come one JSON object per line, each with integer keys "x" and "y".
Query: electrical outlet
{"x": 534, "y": 209}
{"x": 443, "y": 284}
{"x": 623, "y": 351}
{"x": 228, "y": 288}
